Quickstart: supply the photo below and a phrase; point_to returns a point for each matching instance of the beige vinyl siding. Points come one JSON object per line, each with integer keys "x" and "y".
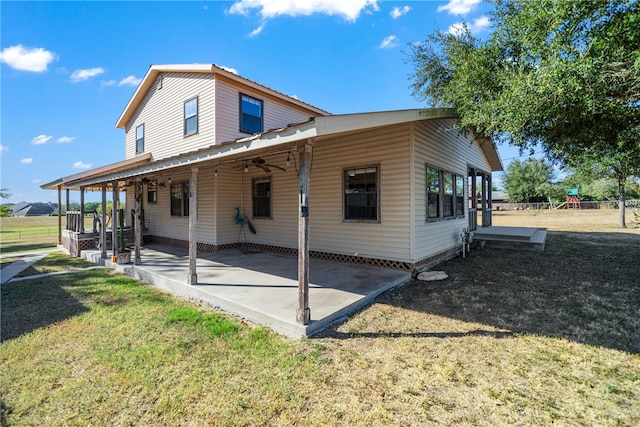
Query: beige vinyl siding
{"x": 236, "y": 191}
{"x": 276, "y": 115}
{"x": 386, "y": 148}
{"x": 439, "y": 144}
{"x": 162, "y": 112}
{"x": 158, "y": 217}
{"x": 387, "y": 239}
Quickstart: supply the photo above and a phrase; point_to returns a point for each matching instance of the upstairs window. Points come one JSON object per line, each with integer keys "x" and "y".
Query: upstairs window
{"x": 251, "y": 114}
{"x": 262, "y": 197}
{"x": 191, "y": 117}
{"x": 180, "y": 199}
{"x": 140, "y": 139}
{"x": 361, "y": 194}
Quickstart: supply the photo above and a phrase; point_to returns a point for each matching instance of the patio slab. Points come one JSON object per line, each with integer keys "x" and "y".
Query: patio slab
{"x": 262, "y": 287}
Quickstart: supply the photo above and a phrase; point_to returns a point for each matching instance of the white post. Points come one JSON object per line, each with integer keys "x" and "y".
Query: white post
{"x": 303, "y": 313}
{"x": 193, "y": 221}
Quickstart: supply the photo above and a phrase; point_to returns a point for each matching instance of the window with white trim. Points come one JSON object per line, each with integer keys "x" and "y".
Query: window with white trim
{"x": 140, "y": 138}
{"x": 191, "y": 116}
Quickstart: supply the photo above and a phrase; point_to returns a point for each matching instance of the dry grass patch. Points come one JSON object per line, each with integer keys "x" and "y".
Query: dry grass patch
{"x": 510, "y": 338}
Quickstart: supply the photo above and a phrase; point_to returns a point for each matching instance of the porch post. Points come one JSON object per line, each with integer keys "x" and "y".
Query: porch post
{"x": 489, "y": 201}
{"x": 193, "y": 220}
{"x": 303, "y": 314}
{"x": 60, "y": 214}
{"x": 138, "y": 220}
{"x": 484, "y": 201}
{"x": 67, "y": 200}
{"x": 81, "y": 225}
{"x": 114, "y": 223}
{"x": 103, "y": 227}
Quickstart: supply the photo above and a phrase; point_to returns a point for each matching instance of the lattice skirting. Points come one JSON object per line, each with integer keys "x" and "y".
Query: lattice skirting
{"x": 423, "y": 264}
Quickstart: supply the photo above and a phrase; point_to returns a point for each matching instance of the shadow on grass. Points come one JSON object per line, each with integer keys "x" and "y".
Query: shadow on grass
{"x": 584, "y": 287}
{"x": 33, "y": 304}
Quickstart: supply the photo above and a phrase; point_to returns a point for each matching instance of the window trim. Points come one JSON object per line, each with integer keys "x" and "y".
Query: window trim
{"x": 138, "y": 151}
{"x": 184, "y": 207}
{"x": 254, "y": 181}
{"x": 378, "y": 218}
{"x": 242, "y": 113}
{"x": 456, "y": 178}
{"x": 185, "y": 118}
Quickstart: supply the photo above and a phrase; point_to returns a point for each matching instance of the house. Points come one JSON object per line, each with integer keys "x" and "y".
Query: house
{"x": 205, "y": 148}
{"x": 32, "y": 209}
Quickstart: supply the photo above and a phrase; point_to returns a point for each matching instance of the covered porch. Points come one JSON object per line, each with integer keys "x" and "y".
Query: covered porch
{"x": 259, "y": 286}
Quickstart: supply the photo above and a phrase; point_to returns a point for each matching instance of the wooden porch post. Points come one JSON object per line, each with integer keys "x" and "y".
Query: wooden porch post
{"x": 114, "y": 223}
{"x": 193, "y": 221}
{"x": 67, "y": 200}
{"x": 484, "y": 201}
{"x": 103, "y": 227}
{"x": 60, "y": 214}
{"x": 303, "y": 313}
{"x": 138, "y": 221}
{"x": 489, "y": 201}
{"x": 81, "y": 225}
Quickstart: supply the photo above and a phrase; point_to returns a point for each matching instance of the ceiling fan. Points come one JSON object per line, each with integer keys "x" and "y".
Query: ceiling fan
{"x": 260, "y": 163}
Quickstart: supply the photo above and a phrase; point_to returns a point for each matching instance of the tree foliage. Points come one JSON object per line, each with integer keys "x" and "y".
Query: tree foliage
{"x": 563, "y": 76}
{"x": 528, "y": 181}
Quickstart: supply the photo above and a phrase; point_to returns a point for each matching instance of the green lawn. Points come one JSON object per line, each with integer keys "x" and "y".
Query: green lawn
{"x": 510, "y": 338}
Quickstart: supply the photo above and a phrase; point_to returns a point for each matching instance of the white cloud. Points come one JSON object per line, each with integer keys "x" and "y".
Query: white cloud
{"x": 397, "y": 12}
{"x": 130, "y": 81}
{"x": 106, "y": 83}
{"x": 65, "y": 139}
{"x": 229, "y": 69}
{"x": 389, "y": 42}
{"x": 27, "y": 59}
{"x": 459, "y": 7}
{"x": 475, "y": 27}
{"x": 81, "y": 75}
{"x": 257, "y": 31}
{"x": 41, "y": 139}
{"x": 26, "y": 161}
{"x": 36, "y": 181}
{"x": 3, "y": 148}
{"x": 349, "y": 9}
{"x": 80, "y": 165}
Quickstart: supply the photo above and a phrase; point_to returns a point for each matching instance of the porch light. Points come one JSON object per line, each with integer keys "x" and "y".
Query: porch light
{"x": 246, "y": 167}
{"x": 288, "y": 158}
{"x": 169, "y": 180}
{"x": 215, "y": 171}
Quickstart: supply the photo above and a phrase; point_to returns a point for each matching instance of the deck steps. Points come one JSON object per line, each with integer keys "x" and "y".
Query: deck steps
{"x": 527, "y": 238}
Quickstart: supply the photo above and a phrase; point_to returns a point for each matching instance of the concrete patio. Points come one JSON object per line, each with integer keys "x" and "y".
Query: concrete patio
{"x": 261, "y": 287}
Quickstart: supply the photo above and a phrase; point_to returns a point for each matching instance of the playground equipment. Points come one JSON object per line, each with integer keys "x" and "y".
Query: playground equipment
{"x": 573, "y": 200}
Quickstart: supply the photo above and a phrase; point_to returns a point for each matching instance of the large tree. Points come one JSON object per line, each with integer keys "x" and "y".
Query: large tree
{"x": 559, "y": 75}
{"x": 528, "y": 181}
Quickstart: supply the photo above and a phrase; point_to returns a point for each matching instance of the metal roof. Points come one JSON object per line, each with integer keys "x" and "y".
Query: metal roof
{"x": 154, "y": 70}
{"x": 271, "y": 141}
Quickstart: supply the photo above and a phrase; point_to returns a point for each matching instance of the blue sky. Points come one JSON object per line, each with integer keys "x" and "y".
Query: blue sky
{"x": 69, "y": 68}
